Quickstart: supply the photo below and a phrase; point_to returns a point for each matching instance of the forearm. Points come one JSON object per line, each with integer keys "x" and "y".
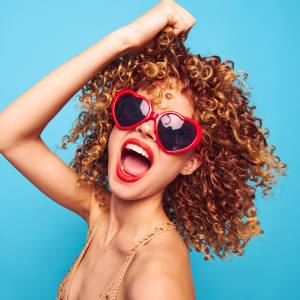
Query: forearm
{"x": 27, "y": 116}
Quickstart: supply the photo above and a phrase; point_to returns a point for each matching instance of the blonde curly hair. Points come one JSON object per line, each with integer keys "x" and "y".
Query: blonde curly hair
{"x": 213, "y": 208}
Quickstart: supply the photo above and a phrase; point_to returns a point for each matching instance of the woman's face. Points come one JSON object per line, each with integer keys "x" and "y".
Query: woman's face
{"x": 165, "y": 166}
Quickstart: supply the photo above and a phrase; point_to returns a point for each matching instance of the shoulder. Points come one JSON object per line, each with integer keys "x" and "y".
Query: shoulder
{"x": 161, "y": 270}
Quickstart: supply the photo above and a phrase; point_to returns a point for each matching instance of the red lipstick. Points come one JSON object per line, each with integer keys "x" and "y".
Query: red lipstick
{"x": 121, "y": 173}
{"x": 124, "y": 176}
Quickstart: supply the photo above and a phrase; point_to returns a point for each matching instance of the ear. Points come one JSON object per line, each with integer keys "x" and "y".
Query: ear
{"x": 192, "y": 164}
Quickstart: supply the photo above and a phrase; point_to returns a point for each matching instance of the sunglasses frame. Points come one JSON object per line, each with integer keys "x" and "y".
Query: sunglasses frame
{"x": 151, "y": 115}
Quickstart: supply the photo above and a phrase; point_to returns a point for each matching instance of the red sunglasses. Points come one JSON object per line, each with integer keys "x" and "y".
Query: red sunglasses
{"x": 174, "y": 132}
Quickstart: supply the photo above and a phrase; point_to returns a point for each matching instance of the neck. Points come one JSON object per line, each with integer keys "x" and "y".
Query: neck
{"x": 131, "y": 219}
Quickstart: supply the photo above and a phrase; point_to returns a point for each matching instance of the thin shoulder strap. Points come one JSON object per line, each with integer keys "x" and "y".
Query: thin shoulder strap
{"x": 64, "y": 286}
{"x": 112, "y": 290}
{"x": 94, "y": 224}
{"x": 93, "y": 227}
{"x": 99, "y": 217}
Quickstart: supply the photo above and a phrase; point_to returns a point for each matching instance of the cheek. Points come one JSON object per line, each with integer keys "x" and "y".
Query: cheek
{"x": 111, "y": 137}
{"x": 114, "y": 143}
{"x": 172, "y": 164}
{"x": 115, "y": 138}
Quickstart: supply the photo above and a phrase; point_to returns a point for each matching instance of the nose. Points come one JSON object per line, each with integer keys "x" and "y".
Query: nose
{"x": 147, "y": 129}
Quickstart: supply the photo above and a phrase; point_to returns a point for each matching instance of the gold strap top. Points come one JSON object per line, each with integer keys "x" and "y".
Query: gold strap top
{"x": 63, "y": 288}
{"x": 112, "y": 289}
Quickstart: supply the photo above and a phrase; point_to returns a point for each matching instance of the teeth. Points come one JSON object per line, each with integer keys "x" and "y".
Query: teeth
{"x": 138, "y": 149}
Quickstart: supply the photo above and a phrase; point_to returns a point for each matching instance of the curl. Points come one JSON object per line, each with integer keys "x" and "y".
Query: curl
{"x": 213, "y": 208}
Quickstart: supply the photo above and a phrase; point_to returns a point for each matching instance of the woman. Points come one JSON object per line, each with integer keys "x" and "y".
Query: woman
{"x": 170, "y": 144}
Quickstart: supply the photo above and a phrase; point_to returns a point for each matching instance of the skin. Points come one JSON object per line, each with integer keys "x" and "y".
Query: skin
{"x": 135, "y": 209}
{"x": 137, "y": 206}
{"x": 161, "y": 270}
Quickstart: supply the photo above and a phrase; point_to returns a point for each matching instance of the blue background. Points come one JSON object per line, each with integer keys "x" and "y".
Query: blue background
{"x": 39, "y": 240}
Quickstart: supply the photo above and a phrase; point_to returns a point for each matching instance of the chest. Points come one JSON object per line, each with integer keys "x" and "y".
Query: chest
{"x": 94, "y": 271}
{"x": 91, "y": 279}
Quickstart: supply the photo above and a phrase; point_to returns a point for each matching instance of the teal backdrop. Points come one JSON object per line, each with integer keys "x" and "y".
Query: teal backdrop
{"x": 39, "y": 239}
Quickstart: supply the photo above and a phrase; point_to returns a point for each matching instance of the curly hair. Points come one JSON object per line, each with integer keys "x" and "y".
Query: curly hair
{"x": 213, "y": 208}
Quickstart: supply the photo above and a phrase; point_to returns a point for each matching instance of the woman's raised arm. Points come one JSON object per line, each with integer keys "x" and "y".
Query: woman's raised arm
{"x": 22, "y": 122}
{"x": 39, "y": 104}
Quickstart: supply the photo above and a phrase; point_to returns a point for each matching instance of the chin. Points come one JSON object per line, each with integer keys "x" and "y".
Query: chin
{"x": 123, "y": 190}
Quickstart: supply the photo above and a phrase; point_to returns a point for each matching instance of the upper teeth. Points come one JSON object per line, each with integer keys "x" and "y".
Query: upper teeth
{"x": 137, "y": 149}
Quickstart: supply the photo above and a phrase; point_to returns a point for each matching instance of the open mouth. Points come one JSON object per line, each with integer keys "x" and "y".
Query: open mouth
{"x": 134, "y": 162}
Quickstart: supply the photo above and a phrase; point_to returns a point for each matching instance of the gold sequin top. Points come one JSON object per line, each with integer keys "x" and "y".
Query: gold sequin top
{"x": 112, "y": 289}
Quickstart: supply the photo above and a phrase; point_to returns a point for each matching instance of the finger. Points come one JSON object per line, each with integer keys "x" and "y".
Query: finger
{"x": 189, "y": 18}
{"x": 178, "y": 21}
{"x": 183, "y": 9}
{"x": 185, "y": 24}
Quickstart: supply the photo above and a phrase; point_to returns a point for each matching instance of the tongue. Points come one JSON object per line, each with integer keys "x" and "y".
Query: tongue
{"x": 134, "y": 165}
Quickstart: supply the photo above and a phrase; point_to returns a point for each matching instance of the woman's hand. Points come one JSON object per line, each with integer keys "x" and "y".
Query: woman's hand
{"x": 142, "y": 30}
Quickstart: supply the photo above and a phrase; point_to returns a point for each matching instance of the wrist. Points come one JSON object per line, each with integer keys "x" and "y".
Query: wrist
{"x": 124, "y": 39}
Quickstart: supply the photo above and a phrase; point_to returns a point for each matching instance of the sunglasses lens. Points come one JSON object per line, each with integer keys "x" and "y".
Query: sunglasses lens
{"x": 130, "y": 110}
{"x": 175, "y": 133}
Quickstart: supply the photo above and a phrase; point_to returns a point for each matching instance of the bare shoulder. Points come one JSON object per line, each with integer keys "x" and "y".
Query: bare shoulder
{"x": 99, "y": 203}
{"x": 161, "y": 270}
